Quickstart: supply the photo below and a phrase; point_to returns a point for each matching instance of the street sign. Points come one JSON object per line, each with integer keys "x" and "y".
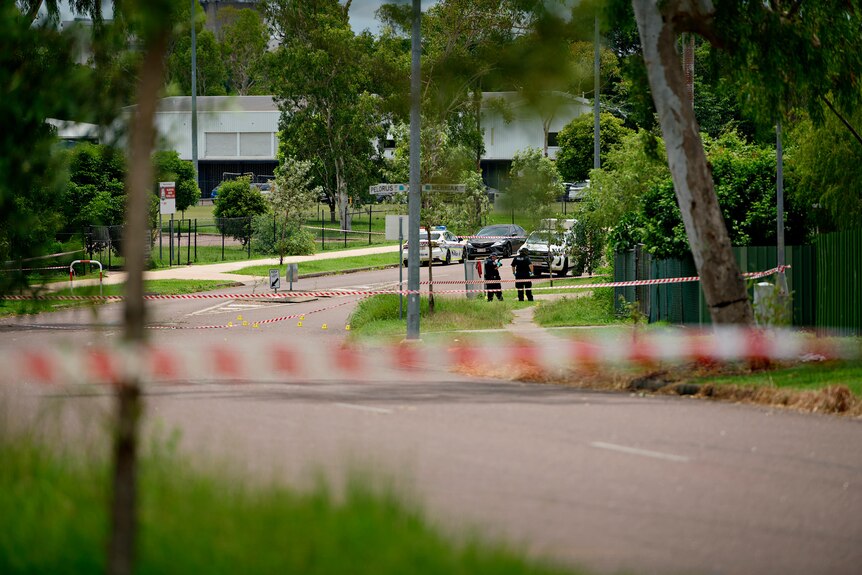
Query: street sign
{"x": 274, "y": 279}
{"x": 387, "y": 189}
{"x": 168, "y": 198}
{"x": 450, "y": 188}
{"x": 392, "y": 232}
{"x": 292, "y": 273}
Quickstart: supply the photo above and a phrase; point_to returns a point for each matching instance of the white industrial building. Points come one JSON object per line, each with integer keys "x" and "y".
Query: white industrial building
{"x": 239, "y": 134}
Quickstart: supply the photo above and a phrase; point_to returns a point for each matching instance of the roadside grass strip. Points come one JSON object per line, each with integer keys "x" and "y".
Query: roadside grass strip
{"x": 377, "y": 316}
{"x": 205, "y": 519}
{"x": 595, "y": 308}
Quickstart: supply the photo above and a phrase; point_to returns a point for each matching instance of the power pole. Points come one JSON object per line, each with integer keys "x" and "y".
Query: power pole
{"x": 414, "y": 197}
{"x": 194, "y": 95}
{"x": 597, "y": 162}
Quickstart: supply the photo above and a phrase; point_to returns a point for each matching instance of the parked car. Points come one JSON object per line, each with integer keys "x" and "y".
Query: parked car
{"x": 214, "y": 192}
{"x": 445, "y": 246}
{"x": 575, "y": 192}
{"x": 500, "y": 239}
{"x": 553, "y": 250}
{"x": 263, "y": 187}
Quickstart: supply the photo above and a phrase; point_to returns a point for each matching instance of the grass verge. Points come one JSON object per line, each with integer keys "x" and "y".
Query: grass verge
{"x": 54, "y": 519}
{"x": 597, "y": 308}
{"x": 155, "y": 287}
{"x": 331, "y": 265}
{"x": 377, "y": 316}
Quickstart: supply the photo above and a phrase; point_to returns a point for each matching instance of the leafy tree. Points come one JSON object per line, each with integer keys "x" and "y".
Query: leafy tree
{"x": 38, "y": 80}
{"x": 237, "y": 204}
{"x": 628, "y": 172}
{"x": 170, "y": 168}
{"x": 575, "y": 156}
{"x": 244, "y": 38}
{"x": 293, "y": 194}
{"x": 211, "y": 72}
{"x": 96, "y": 194}
{"x": 820, "y": 48}
{"x": 322, "y": 76}
{"x": 534, "y": 186}
{"x": 744, "y": 176}
{"x": 827, "y": 160}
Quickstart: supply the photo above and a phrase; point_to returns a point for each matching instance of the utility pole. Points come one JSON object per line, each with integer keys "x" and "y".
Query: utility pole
{"x": 597, "y": 162}
{"x": 414, "y": 197}
{"x": 194, "y": 95}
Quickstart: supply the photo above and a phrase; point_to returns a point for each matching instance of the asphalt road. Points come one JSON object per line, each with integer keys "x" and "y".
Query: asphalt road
{"x": 609, "y": 481}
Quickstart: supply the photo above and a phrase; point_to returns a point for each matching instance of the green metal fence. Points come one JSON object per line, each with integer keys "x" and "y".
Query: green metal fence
{"x": 684, "y": 302}
{"x": 839, "y": 258}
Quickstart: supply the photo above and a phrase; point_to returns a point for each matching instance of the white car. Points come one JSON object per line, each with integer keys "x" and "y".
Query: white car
{"x": 552, "y": 250}
{"x": 445, "y": 247}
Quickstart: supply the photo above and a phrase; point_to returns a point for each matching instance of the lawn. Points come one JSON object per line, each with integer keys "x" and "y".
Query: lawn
{"x": 805, "y": 377}
{"x": 54, "y": 519}
{"x": 594, "y": 308}
{"x": 377, "y": 316}
{"x": 331, "y": 265}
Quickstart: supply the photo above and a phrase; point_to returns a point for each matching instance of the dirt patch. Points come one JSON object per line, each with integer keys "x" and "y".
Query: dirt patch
{"x": 687, "y": 380}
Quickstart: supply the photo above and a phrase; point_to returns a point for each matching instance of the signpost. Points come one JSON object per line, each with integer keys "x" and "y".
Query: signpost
{"x": 446, "y": 188}
{"x": 292, "y": 274}
{"x": 274, "y": 280}
{"x": 167, "y": 206}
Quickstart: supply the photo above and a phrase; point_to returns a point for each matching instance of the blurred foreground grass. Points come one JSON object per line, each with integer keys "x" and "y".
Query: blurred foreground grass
{"x": 54, "y": 519}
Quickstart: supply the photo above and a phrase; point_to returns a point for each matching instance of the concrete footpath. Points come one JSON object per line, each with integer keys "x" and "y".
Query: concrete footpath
{"x": 221, "y": 271}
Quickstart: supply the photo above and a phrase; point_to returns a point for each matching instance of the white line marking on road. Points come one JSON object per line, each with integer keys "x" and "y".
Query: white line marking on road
{"x": 364, "y": 408}
{"x": 642, "y": 452}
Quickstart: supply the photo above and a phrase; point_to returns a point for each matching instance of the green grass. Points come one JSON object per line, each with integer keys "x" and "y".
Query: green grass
{"x": 161, "y": 287}
{"x": 811, "y": 376}
{"x": 54, "y": 519}
{"x": 377, "y": 316}
{"x": 331, "y": 265}
{"x": 595, "y": 309}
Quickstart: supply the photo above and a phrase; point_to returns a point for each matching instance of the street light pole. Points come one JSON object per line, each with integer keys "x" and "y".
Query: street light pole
{"x": 194, "y": 95}
{"x": 414, "y": 193}
{"x": 597, "y": 163}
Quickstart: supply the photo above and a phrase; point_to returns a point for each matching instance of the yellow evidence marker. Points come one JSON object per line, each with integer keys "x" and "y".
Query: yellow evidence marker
{"x": 323, "y": 326}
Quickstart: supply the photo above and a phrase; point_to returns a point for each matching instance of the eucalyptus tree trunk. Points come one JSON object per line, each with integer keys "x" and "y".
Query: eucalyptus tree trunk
{"x": 722, "y": 283}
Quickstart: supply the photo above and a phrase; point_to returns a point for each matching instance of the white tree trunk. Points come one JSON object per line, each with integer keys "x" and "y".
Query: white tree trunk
{"x": 343, "y": 200}
{"x": 722, "y": 283}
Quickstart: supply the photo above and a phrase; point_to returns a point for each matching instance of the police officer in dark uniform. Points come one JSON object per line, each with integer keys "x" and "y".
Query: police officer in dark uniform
{"x": 492, "y": 273}
{"x": 522, "y": 267}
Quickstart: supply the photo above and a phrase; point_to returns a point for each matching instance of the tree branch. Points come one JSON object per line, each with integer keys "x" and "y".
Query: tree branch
{"x": 843, "y": 119}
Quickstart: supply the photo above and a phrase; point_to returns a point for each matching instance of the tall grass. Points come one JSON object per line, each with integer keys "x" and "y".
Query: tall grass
{"x": 53, "y": 519}
{"x": 596, "y": 308}
{"x": 377, "y": 316}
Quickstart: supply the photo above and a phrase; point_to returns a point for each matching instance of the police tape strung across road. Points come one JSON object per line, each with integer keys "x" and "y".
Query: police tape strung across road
{"x": 215, "y": 360}
{"x": 344, "y": 293}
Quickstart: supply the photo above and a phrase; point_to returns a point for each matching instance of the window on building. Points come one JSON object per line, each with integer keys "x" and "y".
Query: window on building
{"x": 220, "y": 144}
{"x": 552, "y": 139}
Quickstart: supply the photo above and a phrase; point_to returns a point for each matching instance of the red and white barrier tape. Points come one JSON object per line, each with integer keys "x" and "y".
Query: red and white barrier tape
{"x": 200, "y": 360}
{"x": 344, "y": 293}
{"x": 7, "y": 270}
{"x": 364, "y": 233}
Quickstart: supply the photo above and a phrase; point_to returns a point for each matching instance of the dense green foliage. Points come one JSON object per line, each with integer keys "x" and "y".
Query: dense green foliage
{"x": 535, "y": 186}
{"x": 575, "y": 156}
{"x": 35, "y": 66}
{"x": 96, "y": 194}
{"x": 237, "y": 204}
{"x": 635, "y": 197}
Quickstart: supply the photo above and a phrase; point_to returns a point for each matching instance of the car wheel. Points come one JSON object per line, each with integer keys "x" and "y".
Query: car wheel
{"x": 448, "y": 259}
{"x": 508, "y": 250}
{"x": 565, "y": 269}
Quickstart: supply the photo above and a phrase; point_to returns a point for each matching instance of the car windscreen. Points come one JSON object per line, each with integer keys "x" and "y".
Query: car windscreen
{"x": 435, "y": 236}
{"x": 493, "y": 231}
{"x": 544, "y": 238}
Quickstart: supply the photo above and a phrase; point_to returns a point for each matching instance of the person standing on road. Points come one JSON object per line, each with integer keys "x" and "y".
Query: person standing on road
{"x": 522, "y": 267}
{"x": 492, "y": 273}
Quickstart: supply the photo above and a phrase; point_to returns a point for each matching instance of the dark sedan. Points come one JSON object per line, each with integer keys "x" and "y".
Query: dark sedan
{"x": 500, "y": 239}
